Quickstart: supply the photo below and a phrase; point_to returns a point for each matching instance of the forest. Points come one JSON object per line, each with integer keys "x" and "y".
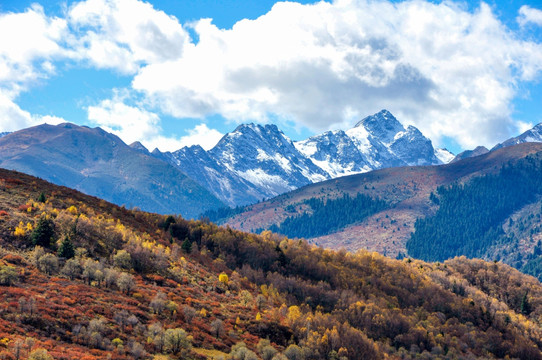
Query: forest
{"x": 329, "y": 215}
{"x": 470, "y": 216}
{"x": 84, "y": 279}
{"x": 219, "y": 215}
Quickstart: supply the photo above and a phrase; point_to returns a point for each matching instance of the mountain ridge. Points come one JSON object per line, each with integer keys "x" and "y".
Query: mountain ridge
{"x": 532, "y": 135}
{"x": 100, "y": 164}
{"x": 260, "y": 161}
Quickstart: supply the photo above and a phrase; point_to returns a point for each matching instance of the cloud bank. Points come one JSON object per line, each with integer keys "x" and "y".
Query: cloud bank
{"x": 448, "y": 71}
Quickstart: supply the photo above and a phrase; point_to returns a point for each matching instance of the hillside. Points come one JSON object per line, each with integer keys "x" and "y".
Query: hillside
{"x": 470, "y": 216}
{"x": 134, "y": 285}
{"x": 100, "y": 164}
{"x": 405, "y": 190}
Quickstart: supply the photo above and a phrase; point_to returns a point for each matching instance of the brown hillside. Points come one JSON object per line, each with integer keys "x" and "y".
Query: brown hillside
{"x": 146, "y": 286}
{"x": 406, "y": 188}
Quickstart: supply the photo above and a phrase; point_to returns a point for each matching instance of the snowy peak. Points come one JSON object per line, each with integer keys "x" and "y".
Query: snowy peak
{"x": 335, "y": 153}
{"x": 376, "y": 142}
{"x": 532, "y": 135}
{"x": 265, "y": 157}
{"x": 382, "y": 125}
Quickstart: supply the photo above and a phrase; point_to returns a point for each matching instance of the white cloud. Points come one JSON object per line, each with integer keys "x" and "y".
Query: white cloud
{"x": 437, "y": 66}
{"x": 29, "y": 43}
{"x": 123, "y": 34}
{"x": 135, "y": 123}
{"x": 29, "y": 40}
{"x": 203, "y": 136}
{"x": 130, "y": 123}
{"x": 528, "y": 14}
{"x": 13, "y": 118}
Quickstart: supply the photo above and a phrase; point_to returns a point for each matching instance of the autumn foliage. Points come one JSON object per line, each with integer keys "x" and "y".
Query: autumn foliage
{"x": 124, "y": 287}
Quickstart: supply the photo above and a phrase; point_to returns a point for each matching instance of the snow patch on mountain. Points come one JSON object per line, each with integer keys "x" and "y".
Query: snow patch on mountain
{"x": 532, "y": 135}
{"x": 444, "y": 155}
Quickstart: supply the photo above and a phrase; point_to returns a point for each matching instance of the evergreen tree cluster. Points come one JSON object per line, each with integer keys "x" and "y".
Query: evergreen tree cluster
{"x": 330, "y": 215}
{"x": 219, "y": 216}
{"x": 470, "y": 216}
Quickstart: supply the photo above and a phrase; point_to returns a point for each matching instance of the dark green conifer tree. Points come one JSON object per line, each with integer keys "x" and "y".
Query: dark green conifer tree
{"x": 66, "y": 249}
{"x": 186, "y": 246}
{"x": 43, "y": 233}
{"x": 41, "y": 198}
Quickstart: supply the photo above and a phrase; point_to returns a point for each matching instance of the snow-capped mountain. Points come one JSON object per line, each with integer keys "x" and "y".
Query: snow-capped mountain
{"x": 199, "y": 165}
{"x": 266, "y": 157}
{"x": 335, "y": 153}
{"x": 532, "y": 135}
{"x": 376, "y": 142}
{"x": 255, "y": 161}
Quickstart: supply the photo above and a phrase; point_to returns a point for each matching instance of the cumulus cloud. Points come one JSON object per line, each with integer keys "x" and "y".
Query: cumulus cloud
{"x": 13, "y": 118}
{"x": 134, "y": 123}
{"x": 528, "y": 15}
{"x": 437, "y": 66}
{"x": 30, "y": 40}
{"x": 123, "y": 34}
{"x": 203, "y": 136}
{"x": 131, "y": 123}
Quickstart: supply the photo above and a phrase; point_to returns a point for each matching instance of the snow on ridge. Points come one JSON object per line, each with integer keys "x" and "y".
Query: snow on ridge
{"x": 444, "y": 156}
{"x": 260, "y": 177}
{"x": 306, "y": 147}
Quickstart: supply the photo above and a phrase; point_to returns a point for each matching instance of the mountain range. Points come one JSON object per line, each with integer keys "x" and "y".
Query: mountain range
{"x": 251, "y": 163}
{"x": 260, "y": 161}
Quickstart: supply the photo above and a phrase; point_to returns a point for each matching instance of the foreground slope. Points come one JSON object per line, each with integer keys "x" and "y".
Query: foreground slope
{"x": 142, "y": 286}
{"x": 405, "y": 190}
{"x": 100, "y": 164}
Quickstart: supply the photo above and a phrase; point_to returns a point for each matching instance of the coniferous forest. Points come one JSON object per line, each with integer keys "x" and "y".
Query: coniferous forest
{"x": 329, "y": 215}
{"x": 470, "y": 216}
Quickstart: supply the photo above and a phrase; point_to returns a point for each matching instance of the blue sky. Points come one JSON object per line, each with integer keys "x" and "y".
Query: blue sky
{"x": 465, "y": 73}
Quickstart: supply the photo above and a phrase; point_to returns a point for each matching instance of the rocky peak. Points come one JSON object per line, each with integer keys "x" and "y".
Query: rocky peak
{"x": 382, "y": 125}
{"x": 136, "y": 145}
